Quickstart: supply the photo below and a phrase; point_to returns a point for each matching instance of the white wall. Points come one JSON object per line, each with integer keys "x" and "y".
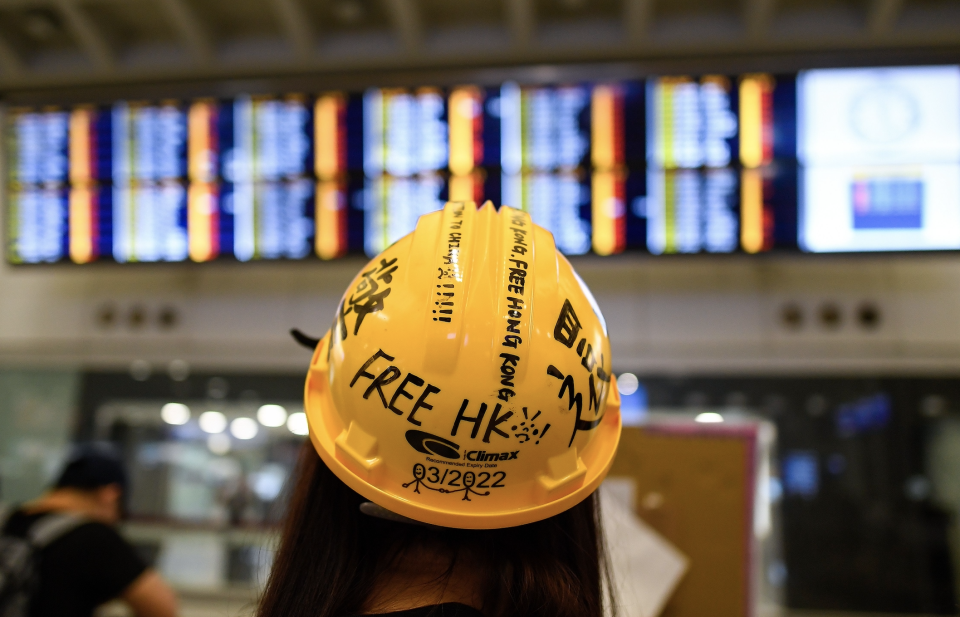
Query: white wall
{"x": 666, "y": 315}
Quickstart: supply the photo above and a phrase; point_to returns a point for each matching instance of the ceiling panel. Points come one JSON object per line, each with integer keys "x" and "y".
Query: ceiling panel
{"x": 932, "y": 15}
{"x": 236, "y": 19}
{"x": 692, "y": 8}
{"x": 47, "y": 43}
{"x": 127, "y": 24}
{"x": 446, "y": 14}
{"x": 346, "y": 16}
{"x": 576, "y": 10}
{"x": 35, "y": 29}
{"x": 821, "y": 5}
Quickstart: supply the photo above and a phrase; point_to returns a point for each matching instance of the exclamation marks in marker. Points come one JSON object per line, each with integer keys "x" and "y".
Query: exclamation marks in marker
{"x": 444, "y": 303}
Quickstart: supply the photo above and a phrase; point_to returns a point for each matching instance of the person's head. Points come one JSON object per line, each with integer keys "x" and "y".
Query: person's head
{"x": 332, "y": 556}
{"x": 464, "y": 398}
{"x": 95, "y": 474}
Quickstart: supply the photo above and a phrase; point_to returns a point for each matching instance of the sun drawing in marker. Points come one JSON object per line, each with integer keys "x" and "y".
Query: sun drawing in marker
{"x": 527, "y": 429}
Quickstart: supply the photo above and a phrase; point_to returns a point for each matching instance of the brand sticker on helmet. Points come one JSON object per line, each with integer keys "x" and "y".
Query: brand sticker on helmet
{"x": 431, "y": 444}
{"x": 483, "y": 455}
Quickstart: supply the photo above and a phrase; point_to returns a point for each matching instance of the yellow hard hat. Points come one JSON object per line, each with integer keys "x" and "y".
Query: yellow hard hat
{"x": 466, "y": 379}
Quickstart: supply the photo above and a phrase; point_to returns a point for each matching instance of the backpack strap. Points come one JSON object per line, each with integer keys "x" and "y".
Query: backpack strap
{"x": 53, "y": 526}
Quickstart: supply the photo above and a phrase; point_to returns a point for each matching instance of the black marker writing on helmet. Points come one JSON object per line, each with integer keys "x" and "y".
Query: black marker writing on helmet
{"x": 387, "y": 377}
{"x": 496, "y": 419}
{"x": 508, "y": 369}
{"x": 450, "y": 268}
{"x": 517, "y": 270}
{"x": 566, "y": 331}
{"x": 576, "y": 399}
{"x": 367, "y": 298}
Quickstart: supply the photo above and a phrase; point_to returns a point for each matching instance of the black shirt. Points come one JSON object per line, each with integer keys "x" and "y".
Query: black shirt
{"x": 452, "y": 609}
{"x": 81, "y": 569}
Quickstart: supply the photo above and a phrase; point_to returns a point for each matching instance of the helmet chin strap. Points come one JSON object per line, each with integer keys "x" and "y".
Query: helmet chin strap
{"x": 307, "y": 341}
{"x": 371, "y": 509}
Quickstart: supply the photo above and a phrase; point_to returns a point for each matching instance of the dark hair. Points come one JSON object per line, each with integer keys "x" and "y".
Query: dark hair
{"x": 330, "y": 555}
{"x": 91, "y": 466}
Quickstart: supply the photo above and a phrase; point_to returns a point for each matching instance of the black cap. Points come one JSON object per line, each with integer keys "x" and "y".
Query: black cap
{"x": 91, "y": 466}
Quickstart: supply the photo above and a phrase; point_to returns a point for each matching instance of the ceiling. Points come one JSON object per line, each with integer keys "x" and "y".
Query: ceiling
{"x": 55, "y": 43}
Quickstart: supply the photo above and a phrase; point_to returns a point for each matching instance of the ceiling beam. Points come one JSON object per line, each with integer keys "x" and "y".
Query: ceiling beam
{"x": 757, "y": 15}
{"x": 191, "y": 32}
{"x": 521, "y": 22}
{"x": 87, "y": 35}
{"x": 882, "y": 16}
{"x": 637, "y": 15}
{"x": 406, "y": 21}
{"x": 10, "y": 62}
{"x": 296, "y": 27}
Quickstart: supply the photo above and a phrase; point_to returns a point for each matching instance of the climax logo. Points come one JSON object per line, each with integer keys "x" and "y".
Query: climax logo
{"x": 431, "y": 444}
{"x": 483, "y": 455}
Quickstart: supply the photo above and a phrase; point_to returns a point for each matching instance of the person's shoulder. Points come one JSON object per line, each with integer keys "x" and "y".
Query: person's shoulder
{"x": 18, "y": 521}
{"x": 95, "y": 529}
{"x": 90, "y": 533}
{"x": 102, "y": 548}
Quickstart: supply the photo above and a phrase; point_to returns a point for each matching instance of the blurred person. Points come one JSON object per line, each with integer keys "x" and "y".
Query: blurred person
{"x": 239, "y": 502}
{"x": 455, "y": 446}
{"x": 69, "y": 557}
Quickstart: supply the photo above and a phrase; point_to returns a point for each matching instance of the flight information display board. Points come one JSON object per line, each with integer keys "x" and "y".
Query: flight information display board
{"x": 880, "y": 150}
{"x": 825, "y": 160}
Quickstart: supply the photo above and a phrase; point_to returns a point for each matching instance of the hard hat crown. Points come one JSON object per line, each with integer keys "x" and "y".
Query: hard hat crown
{"x": 466, "y": 379}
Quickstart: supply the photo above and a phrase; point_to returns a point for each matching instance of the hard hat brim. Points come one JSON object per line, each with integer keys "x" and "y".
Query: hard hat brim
{"x": 325, "y": 425}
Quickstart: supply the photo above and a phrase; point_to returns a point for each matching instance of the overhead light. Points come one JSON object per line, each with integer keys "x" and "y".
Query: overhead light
{"x": 178, "y": 370}
{"x": 272, "y": 415}
{"x": 244, "y": 428}
{"x": 297, "y": 423}
{"x": 212, "y": 422}
{"x": 140, "y": 370}
{"x": 268, "y": 481}
{"x": 218, "y": 443}
{"x": 627, "y": 383}
{"x": 175, "y": 413}
{"x": 708, "y": 417}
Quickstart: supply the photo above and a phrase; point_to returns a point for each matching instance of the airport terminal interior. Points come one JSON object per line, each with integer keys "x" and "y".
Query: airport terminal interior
{"x": 762, "y": 195}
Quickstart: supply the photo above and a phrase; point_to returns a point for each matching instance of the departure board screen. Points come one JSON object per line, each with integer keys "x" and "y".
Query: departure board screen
{"x": 881, "y": 159}
{"x": 825, "y": 160}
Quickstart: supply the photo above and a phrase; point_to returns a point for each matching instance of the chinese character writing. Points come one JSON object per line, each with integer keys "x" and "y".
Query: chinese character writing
{"x": 368, "y": 296}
